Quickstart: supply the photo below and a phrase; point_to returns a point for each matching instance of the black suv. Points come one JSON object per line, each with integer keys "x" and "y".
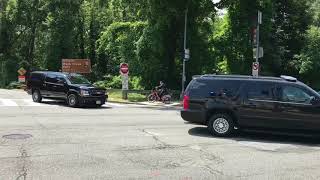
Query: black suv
{"x": 73, "y": 88}
{"x": 227, "y": 102}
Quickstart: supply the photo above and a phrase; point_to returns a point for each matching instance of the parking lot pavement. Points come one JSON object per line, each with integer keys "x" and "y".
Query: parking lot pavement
{"x": 52, "y": 141}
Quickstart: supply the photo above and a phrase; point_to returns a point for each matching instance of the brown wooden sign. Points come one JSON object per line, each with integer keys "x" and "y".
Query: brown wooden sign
{"x": 82, "y": 66}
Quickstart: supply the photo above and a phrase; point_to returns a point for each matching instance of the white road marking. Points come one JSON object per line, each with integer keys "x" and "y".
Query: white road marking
{"x": 114, "y": 105}
{"x": 29, "y": 102}
{"x": 266, "y": 146}
{"x": 8, "y": 102}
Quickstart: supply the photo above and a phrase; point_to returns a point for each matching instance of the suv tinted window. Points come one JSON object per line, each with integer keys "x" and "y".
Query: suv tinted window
{"x": 36, "y": 77}
{"x": 51, "y": 78}
{"x": 201, "y": 88}
{"x": 261, "y": 91}
{"x": 295, "y": 95}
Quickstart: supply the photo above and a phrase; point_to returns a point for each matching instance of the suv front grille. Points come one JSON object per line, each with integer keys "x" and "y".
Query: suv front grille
{"x": 97, "y": 92}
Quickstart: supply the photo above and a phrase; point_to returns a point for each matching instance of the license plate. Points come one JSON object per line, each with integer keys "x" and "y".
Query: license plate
{"x": 98, "y": 102}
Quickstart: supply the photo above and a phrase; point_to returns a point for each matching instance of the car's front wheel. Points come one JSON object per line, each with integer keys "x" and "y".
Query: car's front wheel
{"x": 72, "y": 100}
{"x": 221, "y": 125}
{"x": 36, "y": 96}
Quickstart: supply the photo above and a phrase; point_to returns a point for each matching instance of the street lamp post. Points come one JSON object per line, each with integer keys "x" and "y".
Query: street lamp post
{"x": 185, "y": 49}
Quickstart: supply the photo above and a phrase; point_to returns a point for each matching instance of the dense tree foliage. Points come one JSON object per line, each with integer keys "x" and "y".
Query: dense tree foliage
{"x": 148, "y": 34}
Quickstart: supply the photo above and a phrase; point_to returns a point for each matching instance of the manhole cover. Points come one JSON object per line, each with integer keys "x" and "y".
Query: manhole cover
{"x": 17, "y": 136}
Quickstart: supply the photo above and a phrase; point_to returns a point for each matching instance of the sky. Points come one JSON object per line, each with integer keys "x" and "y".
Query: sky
{"x": 221, "y": 12}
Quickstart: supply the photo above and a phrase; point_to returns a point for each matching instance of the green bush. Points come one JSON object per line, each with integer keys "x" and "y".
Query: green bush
{"x": 115, "y": 82}
{"x": 135, "y": 83}
{"x": 15, "y": 85}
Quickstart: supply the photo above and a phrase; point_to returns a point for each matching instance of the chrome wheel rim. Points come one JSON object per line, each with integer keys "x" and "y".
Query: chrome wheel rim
{"x": 221, "y": 125}
{"x": 72, "y": 100}
{"x": 35, "y": 96}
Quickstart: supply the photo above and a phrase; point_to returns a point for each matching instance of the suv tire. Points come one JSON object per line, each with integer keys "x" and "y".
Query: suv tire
{"x": 221, "y": 125}
{"x": 36, "y": 96}
{"x": 72, "y": 100}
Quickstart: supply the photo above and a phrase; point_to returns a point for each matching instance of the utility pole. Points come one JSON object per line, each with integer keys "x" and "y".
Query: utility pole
{"x": 185, "y": 50}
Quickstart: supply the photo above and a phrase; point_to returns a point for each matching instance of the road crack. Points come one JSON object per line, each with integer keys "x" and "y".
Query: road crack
{"x": 23, "y": 159}
{"x": 160, "y": 144}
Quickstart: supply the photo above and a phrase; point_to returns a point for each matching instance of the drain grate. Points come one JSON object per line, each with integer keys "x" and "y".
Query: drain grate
{"x": 17, "y": 136}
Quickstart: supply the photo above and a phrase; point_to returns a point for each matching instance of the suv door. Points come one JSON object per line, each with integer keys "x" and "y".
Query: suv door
{"x": 61, "y": 88}
{"x": 297, "y": 109}
{"x": 51, "y": 82}
{"x": 258, "y": 107}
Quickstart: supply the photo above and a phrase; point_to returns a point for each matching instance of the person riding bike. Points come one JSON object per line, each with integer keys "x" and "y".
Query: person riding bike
{"x": 162, "y": 89}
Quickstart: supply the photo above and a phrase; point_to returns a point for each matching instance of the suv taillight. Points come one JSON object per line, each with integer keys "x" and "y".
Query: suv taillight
{"x": 186, "y": 102}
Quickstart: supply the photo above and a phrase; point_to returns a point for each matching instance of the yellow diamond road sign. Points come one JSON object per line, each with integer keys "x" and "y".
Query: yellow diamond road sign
{"x": 22, "y": 71}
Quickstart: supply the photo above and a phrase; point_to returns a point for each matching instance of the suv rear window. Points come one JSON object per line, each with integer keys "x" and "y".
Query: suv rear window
{"x": 201, "y": 88}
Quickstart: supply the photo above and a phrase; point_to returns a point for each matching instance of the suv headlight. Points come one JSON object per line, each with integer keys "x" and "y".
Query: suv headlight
{"x": 85, "y": 93}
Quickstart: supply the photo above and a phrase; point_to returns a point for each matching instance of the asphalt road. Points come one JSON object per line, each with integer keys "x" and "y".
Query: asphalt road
{"x": 53, "y": 142}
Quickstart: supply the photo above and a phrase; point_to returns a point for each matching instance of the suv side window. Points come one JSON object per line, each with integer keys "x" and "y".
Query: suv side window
{"x": 201, "y": 88}
{"x": 50, "y": 78}
{"x": 261, "y": 91}
{"x": 61, "y": 79}
{"x": 295, "y": 95}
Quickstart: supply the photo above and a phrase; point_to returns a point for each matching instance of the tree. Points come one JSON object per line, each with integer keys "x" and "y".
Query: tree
{"x": 61, "y": 21}
{"x": 118, "y": 43}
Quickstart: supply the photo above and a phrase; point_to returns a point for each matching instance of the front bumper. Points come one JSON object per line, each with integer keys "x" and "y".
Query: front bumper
{"x": 192, "y": 116}
{"x": 90, "y": 100}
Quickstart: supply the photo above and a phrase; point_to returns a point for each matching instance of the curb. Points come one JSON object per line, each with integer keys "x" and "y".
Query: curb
{"x": 143, "y": 104}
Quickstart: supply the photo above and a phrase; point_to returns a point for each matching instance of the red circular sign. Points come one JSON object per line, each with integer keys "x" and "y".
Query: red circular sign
{"x": 124, "y": 68}
{"x": 255, "y": 66}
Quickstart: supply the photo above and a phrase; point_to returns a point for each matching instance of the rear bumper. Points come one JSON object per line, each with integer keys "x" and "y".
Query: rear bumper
{"x": 192, "y": 116}
{"x": 93, "y": 100}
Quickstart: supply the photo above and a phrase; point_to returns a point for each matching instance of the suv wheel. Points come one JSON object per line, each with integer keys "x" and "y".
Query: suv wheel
{"x": 221, "y": 125}
{"x": 36, "y": 96}
{"x": 72, "y": 100}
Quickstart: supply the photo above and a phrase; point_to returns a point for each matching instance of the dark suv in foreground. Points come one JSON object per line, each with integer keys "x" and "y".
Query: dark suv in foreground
{"x": 73, "y": 88}
{"x": 226, "y": 102}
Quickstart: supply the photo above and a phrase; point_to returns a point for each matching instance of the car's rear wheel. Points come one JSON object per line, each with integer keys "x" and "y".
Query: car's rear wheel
{"x": 166, "y": 99}
{"x": 221, "y": 125}
{"x": 72, "y": 100}
{"x": 36, "y": 96}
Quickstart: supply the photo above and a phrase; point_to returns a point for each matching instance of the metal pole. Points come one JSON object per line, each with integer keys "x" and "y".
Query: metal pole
{"x": 184, "y": 47}
{"x": 258, "y": 39}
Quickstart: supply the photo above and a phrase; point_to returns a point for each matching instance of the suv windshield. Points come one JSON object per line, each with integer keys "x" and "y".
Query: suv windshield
{"x": 78, "y": 79}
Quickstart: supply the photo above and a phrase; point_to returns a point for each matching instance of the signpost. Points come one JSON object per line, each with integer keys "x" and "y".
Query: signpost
{"x": 124, "y": 71}
{"x": 82, "y": 66}
{"x": 255, "y": 69}
{"x": 257, "y": 50}
{"x": 22, "y": 72}
{"x": 21, "y": 79}
{"x": 260, "y": 53}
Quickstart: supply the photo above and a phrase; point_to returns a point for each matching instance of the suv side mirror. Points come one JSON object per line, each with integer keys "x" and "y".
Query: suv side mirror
{"x": 62, "y": 82}
{"x": 315, "y": 100}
